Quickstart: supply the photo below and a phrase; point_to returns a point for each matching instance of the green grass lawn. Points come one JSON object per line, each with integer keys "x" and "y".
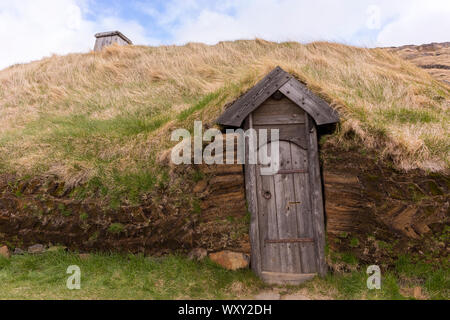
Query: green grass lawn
{"x": 114, "y": 276}
{"x": 118, "y": 276}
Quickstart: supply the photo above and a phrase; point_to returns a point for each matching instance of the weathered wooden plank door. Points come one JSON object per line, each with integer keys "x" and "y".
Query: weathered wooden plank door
{"x": 287, "y": 222}
{"x": 285, "y": 214}
{"x": 285, "y": 228}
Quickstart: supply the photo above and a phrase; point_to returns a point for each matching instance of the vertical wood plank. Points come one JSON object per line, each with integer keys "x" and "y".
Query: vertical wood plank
{"x": 268, "y": 224}
{"x": 286, "y": 214}
{"x": 268, "y": 228}
{"x": 294, "y": 207}
{"x": 250, "y": 188}
{"x": 302, "y": 193}
{"x": 96, "y": 44}
{"x": 316, "y": 198}
{"x": 294, "y": 258}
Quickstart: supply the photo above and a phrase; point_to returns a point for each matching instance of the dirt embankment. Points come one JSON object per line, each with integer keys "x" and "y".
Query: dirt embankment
{"x": 171, "y": 220}
{"x": 372, "y": 211}
{"x": 377, "y": 212}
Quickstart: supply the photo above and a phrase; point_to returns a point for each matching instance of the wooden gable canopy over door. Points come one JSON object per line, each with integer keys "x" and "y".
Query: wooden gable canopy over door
{"x": 287, "y": 217}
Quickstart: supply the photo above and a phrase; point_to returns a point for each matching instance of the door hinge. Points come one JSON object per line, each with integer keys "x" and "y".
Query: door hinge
{"x": 292, "y": 171}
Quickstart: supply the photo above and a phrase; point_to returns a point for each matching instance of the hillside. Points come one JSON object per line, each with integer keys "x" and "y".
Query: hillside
{"x": 100, "y": 120}
{"x": 434, "y": 57}
{"x": 84, "y": 140}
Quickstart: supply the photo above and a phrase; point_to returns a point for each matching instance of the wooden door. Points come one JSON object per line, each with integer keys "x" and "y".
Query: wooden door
{"x": 287, "y": 227}
{"x": 285, "y": 223}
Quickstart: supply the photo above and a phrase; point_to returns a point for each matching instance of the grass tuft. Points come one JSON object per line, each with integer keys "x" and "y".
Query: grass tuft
{"x": 116, "y": 228}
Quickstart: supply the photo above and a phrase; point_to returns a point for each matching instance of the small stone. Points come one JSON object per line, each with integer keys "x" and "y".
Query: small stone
{"x": 4, "y": 252}
{"x": 84, "y": 256}
{"x": 417, "y": 293}
{"x": 37, "y": 248}
{"x": 200, "y": 186}
{"x": 56, "y": 248}
{"x": 18, "y": 251}
{"x": 197, "y": 254}
{"x": 230, "y": 260}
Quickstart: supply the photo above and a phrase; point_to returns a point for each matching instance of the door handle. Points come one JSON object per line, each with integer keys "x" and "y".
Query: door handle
{"x": 267, "y": 195}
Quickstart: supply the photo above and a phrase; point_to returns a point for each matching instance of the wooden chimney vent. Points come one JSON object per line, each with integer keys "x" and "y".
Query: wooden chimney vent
{"x": 107, "y": 38}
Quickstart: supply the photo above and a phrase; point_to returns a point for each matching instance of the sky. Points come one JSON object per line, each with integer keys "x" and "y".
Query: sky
{"x": 32, "y": 29}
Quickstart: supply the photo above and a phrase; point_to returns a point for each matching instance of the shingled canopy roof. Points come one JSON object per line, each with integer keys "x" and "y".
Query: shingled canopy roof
{"x": 278, "y": 80}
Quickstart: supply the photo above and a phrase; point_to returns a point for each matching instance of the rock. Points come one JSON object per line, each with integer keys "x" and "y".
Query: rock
{"x": 418, "y": 293}
{"x": 37, "y": 248}
{"x": 4, "y": 252}
{"x": 197, "y": 254}
{"x": 84, "y": 256}
{"x": 230, "y": 260}
{"x": 200, "y": 186}
{"x": 18, "y": 251}
{"x": 56, "y": 248}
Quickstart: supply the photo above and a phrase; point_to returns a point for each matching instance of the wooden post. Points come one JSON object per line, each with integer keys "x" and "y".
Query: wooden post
{"x": 250, "y": 188}
{"x": 316, "y": 197}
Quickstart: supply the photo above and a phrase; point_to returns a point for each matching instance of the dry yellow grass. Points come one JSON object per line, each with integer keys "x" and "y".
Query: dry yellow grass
{"x": 101, "y": 118}
{"x": 433, "y": 57}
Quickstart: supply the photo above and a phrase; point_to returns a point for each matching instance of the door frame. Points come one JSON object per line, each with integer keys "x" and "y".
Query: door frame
{"x": 317, "y": 209}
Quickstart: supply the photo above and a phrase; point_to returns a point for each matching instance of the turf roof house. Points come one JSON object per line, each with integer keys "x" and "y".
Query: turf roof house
{"x": 287, "y": 231}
